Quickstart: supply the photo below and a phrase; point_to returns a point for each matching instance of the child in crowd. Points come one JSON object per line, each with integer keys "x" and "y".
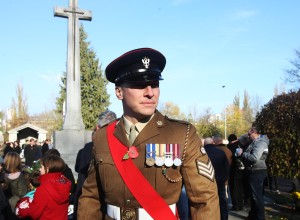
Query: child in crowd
{"x": 33, "y": 183}
{"x": 51, "y": 198}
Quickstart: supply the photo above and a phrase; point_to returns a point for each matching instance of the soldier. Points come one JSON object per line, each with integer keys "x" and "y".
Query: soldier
{"x": 142, "y": 159}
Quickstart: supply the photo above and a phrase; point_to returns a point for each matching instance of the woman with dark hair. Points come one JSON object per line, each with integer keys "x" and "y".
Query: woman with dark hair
{"x": 51, "y": 198}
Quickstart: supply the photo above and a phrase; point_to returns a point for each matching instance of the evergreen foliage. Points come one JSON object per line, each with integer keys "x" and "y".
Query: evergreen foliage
{"x": 94, "y": 97}
{"x": 280, "y": 120}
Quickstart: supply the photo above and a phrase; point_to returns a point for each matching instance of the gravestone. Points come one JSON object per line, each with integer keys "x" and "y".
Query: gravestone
{"x": 73, "y": 136}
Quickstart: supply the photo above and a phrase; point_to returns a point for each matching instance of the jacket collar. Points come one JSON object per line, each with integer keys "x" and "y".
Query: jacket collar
{"x": 150, "y": 130}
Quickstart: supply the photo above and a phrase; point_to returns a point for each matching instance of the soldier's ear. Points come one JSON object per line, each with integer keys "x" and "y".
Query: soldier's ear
{"x": 119, "y": 93}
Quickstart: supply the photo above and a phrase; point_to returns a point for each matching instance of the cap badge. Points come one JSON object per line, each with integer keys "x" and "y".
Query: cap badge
{"x": 146, "y": 62}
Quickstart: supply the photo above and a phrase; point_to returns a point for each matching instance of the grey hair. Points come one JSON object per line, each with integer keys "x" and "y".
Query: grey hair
{"x": 218, "y": 139}
{"x": 208, "y": 140}
{"x": 106, "y": 117}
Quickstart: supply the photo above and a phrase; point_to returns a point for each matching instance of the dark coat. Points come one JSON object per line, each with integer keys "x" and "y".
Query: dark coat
{"x": 31, "y": 153}
{"x": 220, "y": 163}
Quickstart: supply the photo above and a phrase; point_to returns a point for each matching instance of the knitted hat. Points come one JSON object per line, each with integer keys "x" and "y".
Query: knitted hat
{"x": 232, "y": 137}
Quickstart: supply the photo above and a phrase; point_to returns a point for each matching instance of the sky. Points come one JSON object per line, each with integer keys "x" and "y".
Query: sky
{"x": 242, "y": 45}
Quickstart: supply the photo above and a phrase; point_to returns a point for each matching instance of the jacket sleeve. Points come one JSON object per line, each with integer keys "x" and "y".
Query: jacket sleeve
{"x": 22, "y": 186}
{"x": 256, "y": 152}
{"x": 89, "y": 204}
{"x": 33, "y": 208}
{"x": 199, "y": 180}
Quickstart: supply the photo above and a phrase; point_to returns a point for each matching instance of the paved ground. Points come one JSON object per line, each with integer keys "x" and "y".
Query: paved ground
{"x": 277, "y": 206}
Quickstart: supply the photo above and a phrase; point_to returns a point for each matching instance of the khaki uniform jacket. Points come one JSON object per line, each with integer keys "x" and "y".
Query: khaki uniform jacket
{"x": 105, "y": 185}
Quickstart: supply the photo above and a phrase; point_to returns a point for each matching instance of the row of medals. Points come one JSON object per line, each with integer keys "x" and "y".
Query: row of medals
{"x": 162, "y": 158}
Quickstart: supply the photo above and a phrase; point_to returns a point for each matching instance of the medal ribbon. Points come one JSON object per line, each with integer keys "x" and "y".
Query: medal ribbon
{"x": 138, "y": 185}
{"x": 176, "y": 150}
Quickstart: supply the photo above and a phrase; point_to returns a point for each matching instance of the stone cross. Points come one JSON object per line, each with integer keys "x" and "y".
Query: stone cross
{"x": 73, "y": 117}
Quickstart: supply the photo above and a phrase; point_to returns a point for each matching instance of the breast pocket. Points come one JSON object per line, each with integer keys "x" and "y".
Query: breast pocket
{"x": 107, "y": 171}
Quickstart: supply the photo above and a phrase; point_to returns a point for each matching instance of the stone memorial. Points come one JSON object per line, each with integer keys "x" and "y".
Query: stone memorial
{"x": 73, "y": 136}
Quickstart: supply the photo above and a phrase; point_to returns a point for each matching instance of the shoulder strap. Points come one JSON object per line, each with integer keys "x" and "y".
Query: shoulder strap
{"x": 141, "y": 189}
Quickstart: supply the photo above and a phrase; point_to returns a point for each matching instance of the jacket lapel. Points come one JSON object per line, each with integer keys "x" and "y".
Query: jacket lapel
{"x": 120, "y": 134}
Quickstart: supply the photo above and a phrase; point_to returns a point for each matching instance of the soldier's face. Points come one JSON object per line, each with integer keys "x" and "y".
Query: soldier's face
{"x": 139, "y": 100}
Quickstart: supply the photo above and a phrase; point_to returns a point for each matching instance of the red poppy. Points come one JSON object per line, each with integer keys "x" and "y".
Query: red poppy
{"x": 132, "y": 152}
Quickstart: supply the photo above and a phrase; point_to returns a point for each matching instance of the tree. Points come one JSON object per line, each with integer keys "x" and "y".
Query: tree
{"x": 47, "y": 120}
{"x": 239, "y": 120}
{"x": 171, "y": 110}
{"x": 208, "y": 124}
{"x": 19, "y": 108}
{"x": 94, "y": 97}
{"x": 280, "y": 120}
{"x": 293, "y": 74}
{"x": 247, "y": 110}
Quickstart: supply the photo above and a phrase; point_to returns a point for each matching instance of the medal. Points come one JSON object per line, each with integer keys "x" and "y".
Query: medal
{"x": 169, "y": 155}
{"x": 159, "y": 157}
{"x": 150, "y": 154}
{"x": 159, "y": 161}
{"x": 176, "y": 150}
{"x": 177, "y": 162}
{"x": 150, "y": 161}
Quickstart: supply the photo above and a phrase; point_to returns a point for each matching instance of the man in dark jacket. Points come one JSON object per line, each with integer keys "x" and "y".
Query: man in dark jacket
{"x": 220, "y": 163}
{"x": 254, "y": 157}
{"x": 31, "y": 153}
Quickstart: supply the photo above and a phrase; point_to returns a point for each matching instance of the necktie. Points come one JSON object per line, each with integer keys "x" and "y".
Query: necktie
{"x": 132, "y": 134}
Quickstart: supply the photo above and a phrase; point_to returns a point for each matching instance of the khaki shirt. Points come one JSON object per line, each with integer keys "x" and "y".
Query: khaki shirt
{"x": 105, "y": 185}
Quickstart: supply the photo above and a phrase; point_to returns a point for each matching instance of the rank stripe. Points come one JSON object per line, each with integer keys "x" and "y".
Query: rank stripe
{"x": 206, "y": 169}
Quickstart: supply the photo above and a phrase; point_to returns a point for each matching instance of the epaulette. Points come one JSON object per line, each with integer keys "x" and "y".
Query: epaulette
{"x": 177, "y": 120}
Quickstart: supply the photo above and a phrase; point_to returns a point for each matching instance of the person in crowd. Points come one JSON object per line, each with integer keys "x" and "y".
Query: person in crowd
{"x": 17, "y": 147}
{"x": 14, "y": 178}
{"x": 245, "y": 141}
{"x": 51, "y": 198}
{"x": 183, "y": 205}
{"x": 32, "y": 183}
{"x": 45, "y": 146}
{"x": 39, "y": 147}
{"x": 5, "y": 209}
{"x": 85, "y": 155}
{"x": 131, "y": 174}
{"x": 236, "y": 175}
{"x": 218, "y": 140}
{"x": 256, "y": 170}
{"x": 12, "y": 147}
{"x": 67, "y": 172}
{"x": 25, "y": 144}
{"x": 31, "y": 153}
{"x": 220, "y": 163}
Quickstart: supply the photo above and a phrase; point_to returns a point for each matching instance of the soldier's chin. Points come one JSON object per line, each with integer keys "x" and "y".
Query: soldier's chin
{"x": 146, "y": 114}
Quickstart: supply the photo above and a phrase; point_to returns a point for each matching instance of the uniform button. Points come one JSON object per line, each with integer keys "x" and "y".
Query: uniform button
{"x": 127, "y": 201}
{"x": 101, "y": 160}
